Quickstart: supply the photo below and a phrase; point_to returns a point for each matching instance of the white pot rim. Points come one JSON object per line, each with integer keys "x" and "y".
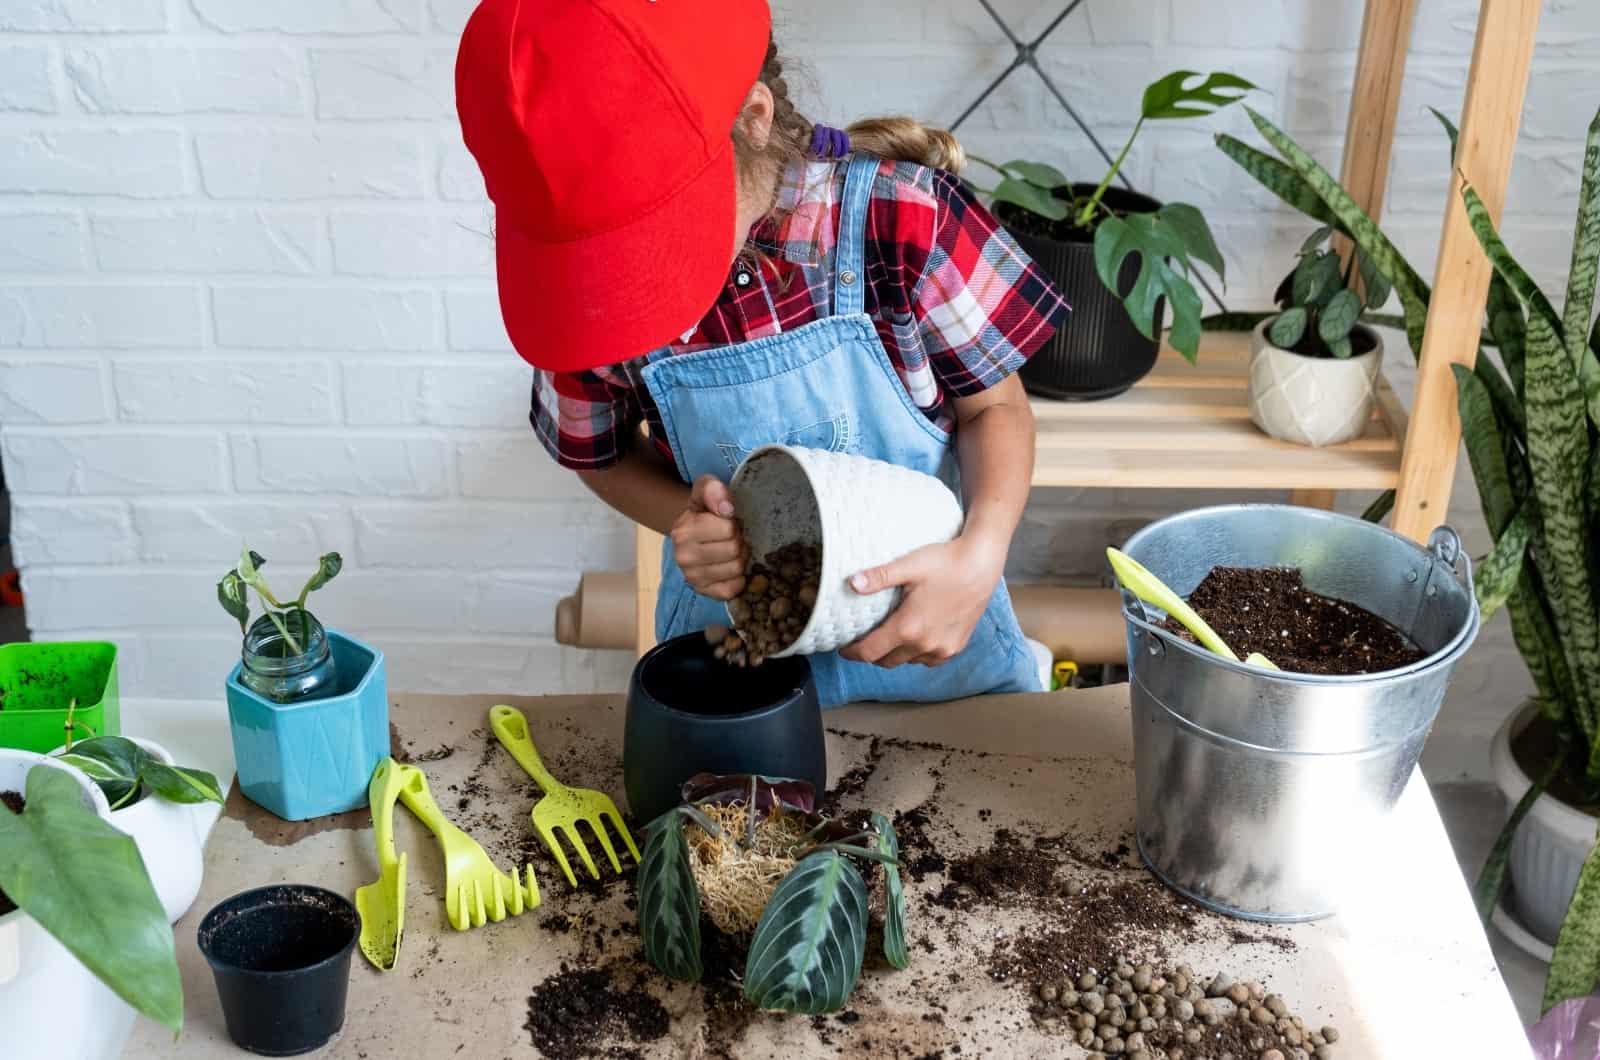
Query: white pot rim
{"x": 1260, "y": 332}
{"x": 1573, "y": 825}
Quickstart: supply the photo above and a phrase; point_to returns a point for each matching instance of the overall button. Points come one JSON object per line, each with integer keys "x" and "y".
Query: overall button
{"x": 847, "y": 277}
{"x": 743, "y": 279}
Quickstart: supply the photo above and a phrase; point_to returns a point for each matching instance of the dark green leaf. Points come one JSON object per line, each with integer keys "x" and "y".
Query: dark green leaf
{"x": 1316, "y": 239}
{"x": 1449, "y": 130}
{"x": 1507, "y": 405}
{"x": 1289, "y": 328}
{"x": 1492, "y": 880}
{"x": 328, "y": 568}
{"x": 1154, "y": 241}
{"x": 85, "y": 884}
{"x": 180, "y": 784}
{"x": 1316, "y": 279}
{"x": 1379, "y": 509}
{"x": 1031, "y": 198}
{"x": 1497, "y": 576}
{"x": 1575, "y": 966}
{"x": 1508, "y": 328}
{"x": 1339, "y": 316}
{"x": 1038, "y": 174}
{"x": 1505, "y": 264}
{"x": 669, "y": 902}
{"x": 1277, "y": 177}
{"x": 1169, "y": 98}
{"x": 1373, "y": 282}
{"x": 1341, "y": 348}
{"x": 807, "y": 951}
{"x": 1190, "y": 225}
{"x": 231, "y": 593}
{"x": 1244, "y": 320}
{"x": 1579, "y": 304}
{"x": 894, "y": 914}
{"x": 121, "y": 763}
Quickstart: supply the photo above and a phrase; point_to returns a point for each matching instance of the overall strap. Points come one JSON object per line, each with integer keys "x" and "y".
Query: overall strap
{"x": 849, "y": 254}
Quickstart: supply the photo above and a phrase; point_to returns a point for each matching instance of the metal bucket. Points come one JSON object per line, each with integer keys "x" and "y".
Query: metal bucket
{"x": 1258, "y": 790}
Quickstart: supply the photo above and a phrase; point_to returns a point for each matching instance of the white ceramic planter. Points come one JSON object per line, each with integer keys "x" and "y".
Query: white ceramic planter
{"x": 1312, "y": 401}
{"x": 170, "y": 839}
{"x": 863, "y": 513}
{"x": 1550, "y": 846}
{"x": 51, "y": 1006}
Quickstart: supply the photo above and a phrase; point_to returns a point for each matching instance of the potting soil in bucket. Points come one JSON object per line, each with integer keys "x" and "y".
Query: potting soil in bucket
{"x": 1259, "y": 790}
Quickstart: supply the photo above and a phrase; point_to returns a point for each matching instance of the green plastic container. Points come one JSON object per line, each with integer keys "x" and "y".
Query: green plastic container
{"x": 38, "y": 682}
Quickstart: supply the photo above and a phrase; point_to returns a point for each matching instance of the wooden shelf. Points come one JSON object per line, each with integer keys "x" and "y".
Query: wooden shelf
{"x": 1188, "y": 426}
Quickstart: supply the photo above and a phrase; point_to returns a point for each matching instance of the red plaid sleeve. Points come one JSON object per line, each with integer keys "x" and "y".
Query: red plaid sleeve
{"x": 586, "y": 420}
{"x": 982, "y": 306}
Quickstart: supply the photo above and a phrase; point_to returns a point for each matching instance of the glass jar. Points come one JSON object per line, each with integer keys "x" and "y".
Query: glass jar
{"x": 272, "y": 670}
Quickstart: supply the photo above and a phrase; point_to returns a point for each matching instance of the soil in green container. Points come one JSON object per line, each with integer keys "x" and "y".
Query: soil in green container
{"x": 13, "y": 802}
{"x": 1272, "y": 612}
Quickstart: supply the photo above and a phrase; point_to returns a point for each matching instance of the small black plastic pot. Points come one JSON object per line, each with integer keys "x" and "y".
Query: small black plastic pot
{"x": 690, "y": 713}
{"x": 1099, "y": 352}
{"x": 281, "y": 959}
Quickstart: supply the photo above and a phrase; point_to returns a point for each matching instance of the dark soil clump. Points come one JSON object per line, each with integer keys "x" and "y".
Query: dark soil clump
{"x": 14, "y": 803}
{"x": 1010, "y": 869}
{"x": 1272, "y": 612}
{"x": 1103, "y": 924}
{"x": 584, "y": 1013}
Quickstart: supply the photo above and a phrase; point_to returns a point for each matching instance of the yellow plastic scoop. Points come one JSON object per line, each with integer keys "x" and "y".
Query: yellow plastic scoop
{"x": 382, "y": 904}
{"x": 1152, "y": 590}
{"x": 562, "y": 807}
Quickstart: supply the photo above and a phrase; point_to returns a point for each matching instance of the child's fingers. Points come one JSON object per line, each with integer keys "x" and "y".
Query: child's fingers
{"x": 710, "y": 494}
{"x": 701, "y": 553}
{"x": 714, "y": 573}
{"x": 723, "y": 590}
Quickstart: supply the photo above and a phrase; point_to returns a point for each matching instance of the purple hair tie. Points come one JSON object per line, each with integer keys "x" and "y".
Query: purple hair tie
{"x": 828, "y": 142}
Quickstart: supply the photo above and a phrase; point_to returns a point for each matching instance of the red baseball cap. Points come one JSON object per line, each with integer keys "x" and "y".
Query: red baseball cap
{"x": 603, "y": 130}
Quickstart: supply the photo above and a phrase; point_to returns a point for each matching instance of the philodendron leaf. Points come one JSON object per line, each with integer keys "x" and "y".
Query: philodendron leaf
{"x": 328, "y": 568}
{"x": 1496, "y": 577}
{"x": 1170, "y": 98}
{"x": 86, "y": 885}
{"x": 1341, "y": 348}
{"x": 1037, "y": 173}
{"x": 232, "y": 594}
{"x": 1290, "y": 327}
{"x": 1190, "y": 225}
{"x": 120, "y": 761}
{"x": 1375, "y": 283}
{"x": 1316, "y": 279}
{"x": 1030, "y": 197}
{"x": 669, "y": 902}
{"x": 1339, "y": 316}
{"x": 181, "y": 784}
{"x": 1316, "y": 239}
{"x": 1575, "y": 965}
{"x": 807, "y": 951}
{"x": 1154, "y": 241}
{"x": 894, "y": 913}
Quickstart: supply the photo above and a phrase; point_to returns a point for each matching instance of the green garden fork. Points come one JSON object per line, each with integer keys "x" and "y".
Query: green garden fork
{"x": 562, "y": 807}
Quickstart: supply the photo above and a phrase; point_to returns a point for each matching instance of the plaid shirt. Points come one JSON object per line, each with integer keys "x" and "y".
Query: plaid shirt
{"x": 956, "y": 302}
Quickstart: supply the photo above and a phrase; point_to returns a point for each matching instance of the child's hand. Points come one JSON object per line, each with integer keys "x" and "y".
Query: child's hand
{"x": 947, "y": 588}
{"x": 707, "y": 543}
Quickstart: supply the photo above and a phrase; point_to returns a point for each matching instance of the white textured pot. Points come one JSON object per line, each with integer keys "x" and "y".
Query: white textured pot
{"x": 1312, "y": 401}
{"x": 51, "y": 1006}
{"x": 170, "y": 840}
{"x": 862, "y": 513}
{"x": 1550, "y": 846}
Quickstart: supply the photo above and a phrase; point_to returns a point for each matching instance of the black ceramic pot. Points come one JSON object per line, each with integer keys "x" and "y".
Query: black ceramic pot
{"x": 281, "y": 959}
{"x": 1098, "y": 353}
{"x": 690, "y": 713}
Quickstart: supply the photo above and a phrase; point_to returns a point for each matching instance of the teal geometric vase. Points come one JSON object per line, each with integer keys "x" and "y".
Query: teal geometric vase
{"x": 314, "y": 757}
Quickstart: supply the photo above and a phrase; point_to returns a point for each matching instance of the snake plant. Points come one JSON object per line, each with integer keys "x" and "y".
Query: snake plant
{"x": 1532, "y": 433}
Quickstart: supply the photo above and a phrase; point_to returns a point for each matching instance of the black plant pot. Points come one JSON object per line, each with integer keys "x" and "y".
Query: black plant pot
{"x": 690, "y": 713}
{"x": 1098, "y": 353}
{"x": 281, "y": 959}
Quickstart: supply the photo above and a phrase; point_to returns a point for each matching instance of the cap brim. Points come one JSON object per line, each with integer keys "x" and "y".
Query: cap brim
{"x": 612, "y": 297}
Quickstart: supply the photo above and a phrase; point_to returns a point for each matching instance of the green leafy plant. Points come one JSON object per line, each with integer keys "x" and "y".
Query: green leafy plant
{"x": 807, "y": 948}
{"x": 1532, "y": 434}
{"x": 1168, "y": 241}
{"x": 1319, "y": 309}
{"x": 85, "y": 884}
{"x": 233, "y": 593}
{"x": 127, "y": 773}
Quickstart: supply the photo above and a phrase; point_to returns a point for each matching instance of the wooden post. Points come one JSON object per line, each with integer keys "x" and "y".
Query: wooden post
{"x": 647, "y": 549}
{"x": 1375, "y": 102}
{"x": 1495, "y": 88}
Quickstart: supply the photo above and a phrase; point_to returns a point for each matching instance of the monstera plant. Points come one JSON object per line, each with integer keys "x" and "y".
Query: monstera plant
{"x": 752, "y": 854}
{"x": 1532, "y": 434}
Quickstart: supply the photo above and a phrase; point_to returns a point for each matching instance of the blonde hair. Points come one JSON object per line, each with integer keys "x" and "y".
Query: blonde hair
{"x": 899, "y": 139}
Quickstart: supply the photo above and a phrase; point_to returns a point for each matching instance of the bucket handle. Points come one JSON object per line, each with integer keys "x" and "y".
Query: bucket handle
{"x": 1445, "y": 544}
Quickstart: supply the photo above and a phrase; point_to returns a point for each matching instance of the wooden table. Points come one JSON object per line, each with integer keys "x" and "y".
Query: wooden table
{"x": 1404, "y": 972}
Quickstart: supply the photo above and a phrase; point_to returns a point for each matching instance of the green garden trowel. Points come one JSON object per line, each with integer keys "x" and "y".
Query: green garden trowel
{"x": 1152, "y": 590}
{"x": 382, "y": 904}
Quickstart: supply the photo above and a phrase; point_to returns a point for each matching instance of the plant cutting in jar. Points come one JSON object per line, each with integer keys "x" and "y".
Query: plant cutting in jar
{"x": 289, "y": 619}
{"x": 1532, "y": 434}
{"x": 1168, "y": 240}
{"x": 754, "y": 855}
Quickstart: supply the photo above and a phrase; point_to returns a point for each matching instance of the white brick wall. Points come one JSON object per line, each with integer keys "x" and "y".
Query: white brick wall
{"x": 246, "y": 293}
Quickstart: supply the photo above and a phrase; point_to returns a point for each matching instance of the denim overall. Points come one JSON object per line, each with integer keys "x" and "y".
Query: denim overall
{"x": 826, "y": 385}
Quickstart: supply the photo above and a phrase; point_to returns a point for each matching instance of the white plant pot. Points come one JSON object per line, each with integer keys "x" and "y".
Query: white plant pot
{"x": 170, "y": 839}
{"x": 51, "y": 1006}
{"x": 1312, "y": 401}
{"x": 1550, "y": 845}
{"x": 862, "y": 513}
